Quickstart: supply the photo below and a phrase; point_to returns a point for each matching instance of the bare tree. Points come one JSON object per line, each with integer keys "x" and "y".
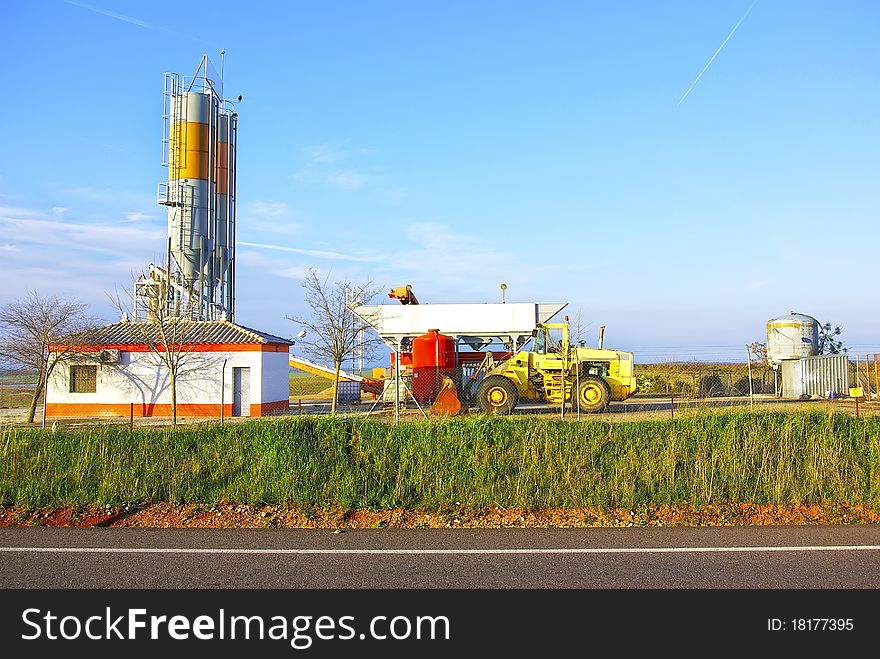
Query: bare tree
{"x": 578, "y": 329}
{"x": 31, "y": 325}
{"x": 168, "y": 333}
{"x": 333, "y": 331}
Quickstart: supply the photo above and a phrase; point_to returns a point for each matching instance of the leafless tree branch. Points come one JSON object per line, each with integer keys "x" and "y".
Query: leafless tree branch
{"x": 33, "y": 324}
{"x": 333, "y": 331}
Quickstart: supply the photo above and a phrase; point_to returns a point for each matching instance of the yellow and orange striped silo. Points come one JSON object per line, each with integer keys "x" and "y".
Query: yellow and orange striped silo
{"x": 201, "y": 132}
{"x": 224, "y": 234}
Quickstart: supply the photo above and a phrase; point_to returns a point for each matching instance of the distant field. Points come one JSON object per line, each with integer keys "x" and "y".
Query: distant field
{"x": 13, "y": 396}
{"x": 16, "y": 389}
{"x": 304, "y": 384}
{"x": 17, "y": 378}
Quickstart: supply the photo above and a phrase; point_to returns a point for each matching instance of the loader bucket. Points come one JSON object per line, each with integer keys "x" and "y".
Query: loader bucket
{"x": 447, "y": 402}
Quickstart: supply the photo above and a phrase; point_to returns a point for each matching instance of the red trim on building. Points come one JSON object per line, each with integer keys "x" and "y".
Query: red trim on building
{"x": 267, "y": 409}
{"x": 204, "y": 410}
{"x": 195, "y": 347}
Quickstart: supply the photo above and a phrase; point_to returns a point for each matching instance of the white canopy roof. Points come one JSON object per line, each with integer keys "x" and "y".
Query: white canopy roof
{"x": 474, "y": 323}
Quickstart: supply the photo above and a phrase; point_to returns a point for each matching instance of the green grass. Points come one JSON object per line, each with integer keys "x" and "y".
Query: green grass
{"x": 305, "y": 384}
{"x": 14, "y": 396}
{"x": 737, "y": 457}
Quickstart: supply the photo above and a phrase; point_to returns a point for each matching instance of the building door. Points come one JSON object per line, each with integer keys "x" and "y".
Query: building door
{"x": 241, "y": 391}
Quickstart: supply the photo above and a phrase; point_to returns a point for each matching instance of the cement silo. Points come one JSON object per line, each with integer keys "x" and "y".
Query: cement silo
{"x": 224, "y": 232}
{"x": 792, "y": 337}
{"x": 200, "y": 131}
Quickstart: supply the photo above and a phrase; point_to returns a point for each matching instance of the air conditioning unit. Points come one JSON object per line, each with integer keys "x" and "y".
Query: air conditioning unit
{"x": 108, "y": 356}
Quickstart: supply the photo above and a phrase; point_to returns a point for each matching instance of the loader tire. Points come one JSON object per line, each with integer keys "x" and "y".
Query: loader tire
{"x": 497, "y": 394}
{"x": 593, "y": 395}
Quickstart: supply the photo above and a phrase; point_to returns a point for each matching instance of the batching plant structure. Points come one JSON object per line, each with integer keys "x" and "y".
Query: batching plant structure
{"x": 200, "y": 132}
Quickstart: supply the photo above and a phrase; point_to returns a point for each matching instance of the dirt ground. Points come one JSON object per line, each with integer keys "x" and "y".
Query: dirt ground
{"x": 167, "y": 515}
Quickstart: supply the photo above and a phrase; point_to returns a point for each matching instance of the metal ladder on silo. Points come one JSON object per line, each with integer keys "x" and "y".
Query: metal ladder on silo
{"x": 171, "y": 194}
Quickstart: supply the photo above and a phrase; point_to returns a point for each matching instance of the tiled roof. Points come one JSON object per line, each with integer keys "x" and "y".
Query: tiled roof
{"x": 189, "y": 332}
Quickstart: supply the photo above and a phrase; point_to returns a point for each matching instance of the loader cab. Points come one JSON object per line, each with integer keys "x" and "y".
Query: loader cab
{"x": 551, "y": 338}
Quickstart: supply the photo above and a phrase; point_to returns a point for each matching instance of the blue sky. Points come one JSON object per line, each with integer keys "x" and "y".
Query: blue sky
{"x": 457, "y": 145}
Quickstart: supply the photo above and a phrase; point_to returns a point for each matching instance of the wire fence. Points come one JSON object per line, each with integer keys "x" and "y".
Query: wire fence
{"x": 662, "y": 385}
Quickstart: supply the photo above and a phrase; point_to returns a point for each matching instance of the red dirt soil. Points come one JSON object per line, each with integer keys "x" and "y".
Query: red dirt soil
{"x": 230, "y": 515}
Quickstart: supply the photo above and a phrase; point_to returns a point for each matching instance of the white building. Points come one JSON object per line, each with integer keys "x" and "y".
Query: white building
{"x": 115, "y": 370}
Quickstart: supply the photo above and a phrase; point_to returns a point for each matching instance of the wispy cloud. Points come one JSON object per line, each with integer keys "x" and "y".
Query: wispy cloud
{"x": 92, "y": 194}
{"x": 132, "y": 20}
{"x": 274, "y": 209}
{"x": 712, "y": 59}
{"x": 54, "y": 254}
{"x": 464, "y": 266}
{"x": 317, "y": 253}
{"x": 347, "y": 179}
{"x": 252, "y": 261}
{"x": 137, "y": 216}
{"x": 30, "y": 227}
{"x": 79, "y": 275}
{"x": 121, "y": 199}
{"x": 331, "y": 164}
{"x": 22, "y": 212}
{"x": 268, "y": 216}
{"x": 325, "y": 154}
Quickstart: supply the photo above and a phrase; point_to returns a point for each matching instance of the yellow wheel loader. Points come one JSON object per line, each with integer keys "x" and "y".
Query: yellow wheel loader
{"x": 555, "y": 372}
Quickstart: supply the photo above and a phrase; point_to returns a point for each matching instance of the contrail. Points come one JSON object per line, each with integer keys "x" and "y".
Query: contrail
{"x": 131, "y": 19}
{"x": 712, "y": 59}
{"x": 321, "y": 254}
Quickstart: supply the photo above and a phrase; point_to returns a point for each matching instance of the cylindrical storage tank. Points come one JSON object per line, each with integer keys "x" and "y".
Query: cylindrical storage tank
{"x": 224, "y": 230}
{"x": 433, "y": 356}
{"x": 191, "y": 154}
{"x": 792, "y": 337}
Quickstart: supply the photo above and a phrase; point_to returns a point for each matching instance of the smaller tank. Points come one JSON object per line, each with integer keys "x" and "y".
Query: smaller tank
{"x": 433, "y": 356}
{"x": 792, "y": 337}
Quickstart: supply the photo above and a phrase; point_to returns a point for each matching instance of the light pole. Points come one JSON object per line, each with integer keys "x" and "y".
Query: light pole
{"x": 222, "y": 390}
{"x": 503, "y": 288}
{"x": 45, "y": 386}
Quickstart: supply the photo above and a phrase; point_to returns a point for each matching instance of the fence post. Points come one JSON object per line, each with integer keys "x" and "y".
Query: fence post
{"x": 397, "y": 384}
{"x": 751, "y": 390}
{"x": 876, "y": 377}
{"x": 672, "y": 403}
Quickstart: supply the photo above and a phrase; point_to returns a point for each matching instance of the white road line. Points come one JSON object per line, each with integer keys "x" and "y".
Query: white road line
{"x": 576, "y": 550}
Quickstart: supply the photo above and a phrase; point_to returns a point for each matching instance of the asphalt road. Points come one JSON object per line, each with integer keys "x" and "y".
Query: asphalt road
{"x": 842, "y": 557}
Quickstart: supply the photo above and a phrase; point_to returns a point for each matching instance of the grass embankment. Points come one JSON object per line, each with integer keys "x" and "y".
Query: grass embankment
{"x": 323, "y": 462}
{"x": 304, "y": 384}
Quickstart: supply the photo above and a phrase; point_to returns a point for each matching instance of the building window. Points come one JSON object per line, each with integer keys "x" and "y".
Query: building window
{"x": 83, "y": 379}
